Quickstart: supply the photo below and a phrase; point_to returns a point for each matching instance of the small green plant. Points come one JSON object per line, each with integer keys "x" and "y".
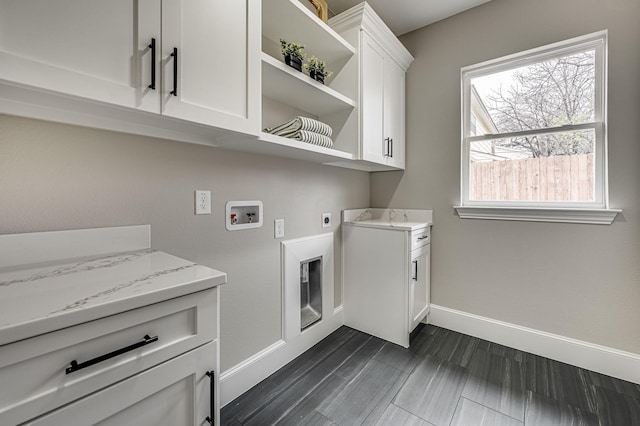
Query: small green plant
{"x": 294, "y": 50}
{"x": 317, "y": 66}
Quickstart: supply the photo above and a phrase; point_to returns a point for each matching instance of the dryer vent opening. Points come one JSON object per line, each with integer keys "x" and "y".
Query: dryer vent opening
{"x": 310, "y": 292}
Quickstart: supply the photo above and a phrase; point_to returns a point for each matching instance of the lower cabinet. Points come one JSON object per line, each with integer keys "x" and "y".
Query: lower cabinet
{"x": 154, "y": 365}
{"x": 386, "y": 279}
{"x": 419, "y": 285}
{"x": 181, "y": 391}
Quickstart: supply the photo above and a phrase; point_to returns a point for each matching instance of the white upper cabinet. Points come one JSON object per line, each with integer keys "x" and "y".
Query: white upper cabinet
{"x": 394, "y": 113}
{"x": 92, "y": 49}
{"x": 207, "y": 58}
{"x": 208, "y": 72}
{"x": 121, "y": 52}
{"x": 380, "y": 68}
{"x": 372, "y": 58}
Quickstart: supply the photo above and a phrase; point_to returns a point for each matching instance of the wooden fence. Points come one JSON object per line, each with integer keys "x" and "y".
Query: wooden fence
{"x": 560, "y": 178}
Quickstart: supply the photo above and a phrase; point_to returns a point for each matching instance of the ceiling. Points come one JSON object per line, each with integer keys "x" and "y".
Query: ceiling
{"x": 403, "y": 16}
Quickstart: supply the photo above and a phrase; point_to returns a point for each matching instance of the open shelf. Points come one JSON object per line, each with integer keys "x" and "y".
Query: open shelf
{"x": 320, "y": 153}
{"x": 291, "y": 20}
{"x": 284, "y": 84}
{"x": 269, "y": 144}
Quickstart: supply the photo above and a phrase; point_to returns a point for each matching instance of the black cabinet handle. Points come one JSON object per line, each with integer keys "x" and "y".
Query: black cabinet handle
{"x": 174, "y": 92}
{"x": 391, "y": 147}
{"x": 387, "y": 147}
{"x": 424, "y": 237}
{"x": 152, "y": 46}
{"x": 75, "y": 366}
{"x": 212, "y": 403}
{"x": 415, "y": 270}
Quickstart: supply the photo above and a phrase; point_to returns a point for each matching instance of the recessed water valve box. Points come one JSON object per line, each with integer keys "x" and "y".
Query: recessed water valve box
{"x": 243, "y": 215}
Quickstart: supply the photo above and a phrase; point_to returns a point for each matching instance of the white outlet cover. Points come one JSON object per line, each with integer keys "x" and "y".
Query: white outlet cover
{"x": 278, "y": 228}
{"x": 202, "y": 202}
{"x": 326, "y": 220}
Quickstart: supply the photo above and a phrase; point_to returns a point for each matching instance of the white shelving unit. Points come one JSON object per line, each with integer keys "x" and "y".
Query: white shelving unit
{"x": 288, "y": 86}
{"x": 292, "y": 21}
{"x": 289, "y": 90}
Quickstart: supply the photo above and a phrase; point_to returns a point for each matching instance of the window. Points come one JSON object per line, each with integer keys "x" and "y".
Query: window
{"x": 534, "y": 135}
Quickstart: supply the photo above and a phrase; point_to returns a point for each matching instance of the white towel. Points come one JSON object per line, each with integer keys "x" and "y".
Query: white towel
{"x": 300, "y": 123}
{"x": 312, "y": 138}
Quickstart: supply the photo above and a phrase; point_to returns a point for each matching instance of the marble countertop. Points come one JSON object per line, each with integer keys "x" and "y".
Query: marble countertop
{"x": 399, "y": 219}
{"x": 42, "y": 297}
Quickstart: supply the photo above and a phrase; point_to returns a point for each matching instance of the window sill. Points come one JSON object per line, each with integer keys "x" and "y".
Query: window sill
{"x": 539, "y": 214}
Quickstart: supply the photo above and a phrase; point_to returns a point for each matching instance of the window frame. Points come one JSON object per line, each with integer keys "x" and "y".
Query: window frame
{"x": 540, "y": 210}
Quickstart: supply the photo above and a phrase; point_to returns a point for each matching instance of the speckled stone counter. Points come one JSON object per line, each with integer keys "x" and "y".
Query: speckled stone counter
{"x": 402, "y": 219}
{"x": 56, "y": 290}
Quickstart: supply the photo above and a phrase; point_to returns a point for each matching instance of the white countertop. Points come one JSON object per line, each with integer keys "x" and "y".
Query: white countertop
{"x": 399, "y": 219}
{"x": 37, "y": 298}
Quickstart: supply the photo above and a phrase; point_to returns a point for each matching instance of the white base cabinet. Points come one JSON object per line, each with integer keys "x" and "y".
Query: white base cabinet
{"x": 386, "y": 279}
{"x": 162, "y": 382}
{"x": 98, "y": 328}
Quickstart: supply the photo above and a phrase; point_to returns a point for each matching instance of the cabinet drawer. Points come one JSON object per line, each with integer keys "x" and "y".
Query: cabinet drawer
{"x": 175, "y": 393}
{"x": 180, "y": 325}
{"x": 420, "y": 237}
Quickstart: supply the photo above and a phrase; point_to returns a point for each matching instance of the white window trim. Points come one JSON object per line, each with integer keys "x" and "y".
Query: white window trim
{"x": 539, "y": 214}
{"x": 597, "y": 212}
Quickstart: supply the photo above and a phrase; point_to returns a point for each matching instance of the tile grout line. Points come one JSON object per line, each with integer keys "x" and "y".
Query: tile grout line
{"x": 293, "y": 382}
{"x": 492, "y": 409}
{"x": 332, "y": 371}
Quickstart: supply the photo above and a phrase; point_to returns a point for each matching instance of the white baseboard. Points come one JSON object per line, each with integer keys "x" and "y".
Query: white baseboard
{"x": 245, "y": 375}
{"x": 602, "y": 359}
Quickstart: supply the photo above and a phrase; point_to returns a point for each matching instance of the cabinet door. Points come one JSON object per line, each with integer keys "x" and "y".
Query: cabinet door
{"x": 372, "y": 59}
{"x": 419, "y": 285}
{"x": 394, "y": 82}
{"x": 375, "y": 282}
{"x": 89, "y": 48}
{"x": 208, "y": 81}
{"x": 177, "y": 392}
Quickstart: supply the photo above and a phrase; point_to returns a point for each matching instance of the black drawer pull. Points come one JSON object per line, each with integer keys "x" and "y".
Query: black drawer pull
{"x": 212, "y": 402}
{"x": 152, "y": 46}
{"x": 415, "y": 270}
{"x": 75, "y": 366}
{"x": 424, "y": 237}
{"x": 174, "y": 92}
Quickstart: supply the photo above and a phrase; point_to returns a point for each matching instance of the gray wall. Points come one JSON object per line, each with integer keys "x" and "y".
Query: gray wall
{"x": 55, "y": 177}
{"x": 581, "y": 281}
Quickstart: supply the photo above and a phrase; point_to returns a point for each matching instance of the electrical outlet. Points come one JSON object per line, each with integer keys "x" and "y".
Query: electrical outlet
{"x": 326, "y": 220}
{"x": 203, "y": 202}
{"x": 278, "y": 228}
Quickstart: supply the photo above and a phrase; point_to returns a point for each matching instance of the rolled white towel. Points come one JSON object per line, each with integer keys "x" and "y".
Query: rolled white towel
{"x": 300, "y": 123}
{"x": 312, "y": 138}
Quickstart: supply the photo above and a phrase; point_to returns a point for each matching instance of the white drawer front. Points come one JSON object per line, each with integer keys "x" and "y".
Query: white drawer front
{"x": 175, "y": 393}
{"x": 420, "y": 237}
{"x": 36, "y": 367}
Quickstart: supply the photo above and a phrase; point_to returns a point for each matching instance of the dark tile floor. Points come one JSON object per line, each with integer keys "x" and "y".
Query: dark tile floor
{"x": 444, "y": 379}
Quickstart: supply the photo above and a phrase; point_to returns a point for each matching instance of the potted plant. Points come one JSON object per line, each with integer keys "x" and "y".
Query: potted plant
{"x": 317, "y": 69}
{"x": 293, "y": 54}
